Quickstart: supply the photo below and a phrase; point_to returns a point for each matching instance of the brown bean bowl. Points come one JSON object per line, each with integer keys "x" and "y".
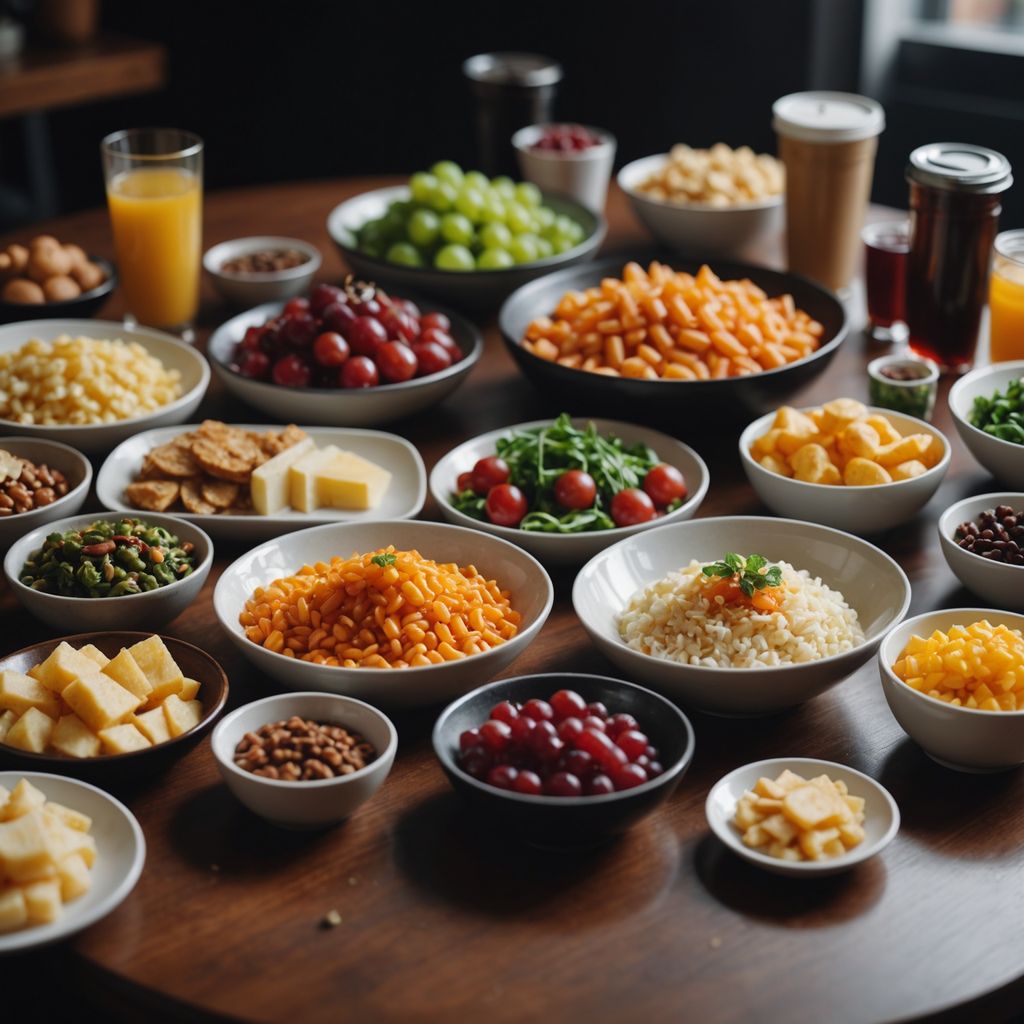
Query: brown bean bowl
{"x": 193, "y": 662}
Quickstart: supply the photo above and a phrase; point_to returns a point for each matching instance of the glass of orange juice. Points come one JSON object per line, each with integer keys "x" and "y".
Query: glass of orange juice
{"x": 1006, "y": 298}
{"x": 154, "y": 179}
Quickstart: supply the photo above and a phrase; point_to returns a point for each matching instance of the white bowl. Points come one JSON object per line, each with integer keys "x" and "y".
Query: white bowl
{"x": 860, "y": 510}
{"x": 881, "y": 815}
{"x": 251, "y": 289}
{"x": 580, "y": 173}
{"x": 73, "y": 464}
{"x": 516, "y": 571}
{"x": 101, "y": 437}
{"x": 698, "y": 227}
{"x": 120, "y": 855}
{"x": 1003, "y": 459}
{"x": 313, "y": 803}
{"x": 964, "y": 739}
{"x": 131, "y": 611}
{"x": 871, "y": 582}
{"x": 1000, "y": 584}
{"x": 570, "y": 548}
{"x": 340, "y": 407}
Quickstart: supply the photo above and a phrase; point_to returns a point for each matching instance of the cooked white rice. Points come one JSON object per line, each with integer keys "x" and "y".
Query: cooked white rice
{"x": 674, "y": 619}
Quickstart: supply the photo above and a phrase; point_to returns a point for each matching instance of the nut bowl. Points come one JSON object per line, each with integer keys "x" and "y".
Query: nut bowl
{"x": 250, "y": 289}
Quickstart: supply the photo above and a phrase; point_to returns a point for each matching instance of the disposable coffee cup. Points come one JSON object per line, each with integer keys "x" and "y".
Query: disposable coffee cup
{"x": 827, "y": 140}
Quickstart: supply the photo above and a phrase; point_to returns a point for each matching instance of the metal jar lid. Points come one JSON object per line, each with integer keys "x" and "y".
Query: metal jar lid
{"x": 960, "y": 167}
{"x": 512, "y": 70}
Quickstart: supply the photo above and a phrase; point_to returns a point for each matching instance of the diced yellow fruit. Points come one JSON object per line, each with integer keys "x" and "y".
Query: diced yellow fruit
{"x": 24, "y": 849}
{"x": 63, "y": 841}
{"x": 833, "y": 848}
{"x": 153, "y": 725}
{"x": 31, "y": 732}
{"x": 93, "y": 653}
{"x": 122, "y": 739}
{"x": 74, "y": 877}
{"x": 124, "y": 670}
{"x": 23, "y": 798}
{"x": 768, "y": 788}
{"x": 72, "y": 737}
{"x": 19, "y": 692}
{"x": 7, "y": 719}
{"x": 159, "y": 667}
{"x": 73, "y": 819}
{"x": 808, "y": 807}
{"x": 746, "y": 815}
{"x": 756, "y": 836}
{"x": 13, "y": 912}
{"x": 765, "y": 805}
{"x": 99, "y": 701}
{"x": 181, "y": 715}
{"x": 779, "y": 827}
{"x": 351, "y": 482}
{"x": 855, "y": 803}
{"x": 269, "y": 482}
{"x": 302, "y": 475}
{"x": 789, "y": 781}
{"x": 189, "y": 689}
{"x": 851, "y": 833}
{"x": 42, "y": 901}
{"x": 63, "y": 667}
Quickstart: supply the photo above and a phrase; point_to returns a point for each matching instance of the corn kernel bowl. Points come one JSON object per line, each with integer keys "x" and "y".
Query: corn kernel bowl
{"x": 961, "y": 738}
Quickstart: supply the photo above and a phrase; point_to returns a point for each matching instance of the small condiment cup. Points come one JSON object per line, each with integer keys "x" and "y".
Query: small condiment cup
{"x": 582, "y": 174}
{"x": 914, "y": 396}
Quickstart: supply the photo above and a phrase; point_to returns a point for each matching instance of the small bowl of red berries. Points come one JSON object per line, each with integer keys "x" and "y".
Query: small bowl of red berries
{"x": 344, "y": 355}
{"x": 570, "y": 159}
{"x": 564, "y": 759}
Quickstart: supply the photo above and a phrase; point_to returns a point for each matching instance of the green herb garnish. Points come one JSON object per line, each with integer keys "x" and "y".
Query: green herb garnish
{"x": 1002, "y": 415}
{"x": 384, "y": 560}
{"x": 752, "y": 573}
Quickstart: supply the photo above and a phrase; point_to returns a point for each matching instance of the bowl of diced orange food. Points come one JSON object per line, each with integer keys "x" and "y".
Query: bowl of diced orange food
{"x": 669, "y": 339}
{"x": 954, "y": 680}
{"x": 844, "y": 464}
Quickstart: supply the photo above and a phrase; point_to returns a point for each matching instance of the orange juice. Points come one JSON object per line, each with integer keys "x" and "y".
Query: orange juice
{"x": 1006, "y": 311}
{"x": 156, "y": 215}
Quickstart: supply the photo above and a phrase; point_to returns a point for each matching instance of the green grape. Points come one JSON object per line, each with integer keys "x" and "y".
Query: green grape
{"x": 457, "y": 229}
{"x": 544, "y": 248}
{"x": 504, "y": 186}
{"x": 454, "y": 257}
{"x": 404, "y": 253}
{"x": 575, "y": 232}
{"x": 493, "y": 211}
{"x": 470, "y": 203}
{"x": 495, "y": 236}
{"x": 374, "y": 249}
{"x": 423, "y": 227}
{"x": 393, "y": 224}
{"x": 545, "y": 215}
{"x": 422, "y": 186}
{"x": 494, "y": 259}
{"x": 518, "y": 218}
{"x": 564, "y": 225}
{"x": 523, "y": 249}
{"x": 561, "y": 245}
{"x": 528, "y": 194}
{"x": 372, "y": 232}
{"x": 476, "y": 180}
{"x": 442, "y": 198}
{"x": 449, "y": 171}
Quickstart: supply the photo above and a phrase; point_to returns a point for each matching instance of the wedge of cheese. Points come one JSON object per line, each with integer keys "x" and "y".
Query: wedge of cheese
{"x": 302, "y": 477}
{"x": 269, "y": 484}
{"x": 349, "y": 481}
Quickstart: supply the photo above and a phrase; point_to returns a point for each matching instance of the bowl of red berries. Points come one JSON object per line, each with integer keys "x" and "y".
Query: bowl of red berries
{"x": 564, "y": 759}
{"x": 349, "y": 355}
{"x": 570, "y": 159}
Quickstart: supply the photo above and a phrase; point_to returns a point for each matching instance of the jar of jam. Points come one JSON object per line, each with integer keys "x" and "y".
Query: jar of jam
{"x": 955, "y": 203}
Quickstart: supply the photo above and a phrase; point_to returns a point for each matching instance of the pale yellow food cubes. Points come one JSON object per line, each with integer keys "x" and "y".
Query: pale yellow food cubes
{"x": 13, "y": 912}
{"x": 122, "y": 739}
{"x": 23, "y": 798}
{"x": 159, "y": 667}
{"x": 42, "y": 901}
{"x": 181, "y": 715}
{"x": 73, "y": 874}
{"x": 348, "y": 481}
{"x": 73, "y": 819}
{"x": 7, "y": 719}
{"x": 93, "y": 653}
{"x": 153, "y": 724}
{"x": 125, "y": 671}
{"x": 73, "y": 738}
{"x": 31, "y": 732}
{"x": 25, "y": 852}
{"x": 302, "y": 477}
{"x": 63, "y": 667}
{"x": 270, "y": 483}
{"x": 99, "y": 701}
{"x": 19, "y": 692}
{"x": 189, "y": 689}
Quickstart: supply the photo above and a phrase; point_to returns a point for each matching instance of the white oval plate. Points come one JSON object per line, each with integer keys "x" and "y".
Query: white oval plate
{"x": 403, "y": 500}
{"x": 881, "y": 815}
{"x": 120, "y": 855}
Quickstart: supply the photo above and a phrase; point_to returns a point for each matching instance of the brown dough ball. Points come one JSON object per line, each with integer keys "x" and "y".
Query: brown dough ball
{"x": 21, "y": 290}
{"x": 19, "y": 257}
{"x": 60, "y": 288}
{"x": 43, "y": 242}
{"x": 47, "y": 262}
{"x": 88, "y": 275}
{"x": 76, "y": 254}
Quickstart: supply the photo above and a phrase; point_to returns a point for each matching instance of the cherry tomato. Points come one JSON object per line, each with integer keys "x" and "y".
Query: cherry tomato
{"x": 438, "y": 320}
{"x": 359, "y": 372}
{"x": 464, "y": 482}
{"x": 506, "y": 505}
{"x": 632, "y": 506}
{"x": 664, "y": 484}
{"x": 488, "y": 473}
{"x": 432, "y": 357}
{"x": 291, "y": 372}
{"x": 396, "y": 362}
{"x": 254, "y": 365}
{"x": 330, "y": 349}
{"x": 575, "y": 489}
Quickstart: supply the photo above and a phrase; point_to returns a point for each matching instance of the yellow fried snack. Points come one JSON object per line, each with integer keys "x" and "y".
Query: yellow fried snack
{"x": 865, "y": 473}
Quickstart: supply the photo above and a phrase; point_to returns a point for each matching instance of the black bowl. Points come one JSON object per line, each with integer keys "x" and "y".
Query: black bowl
{"x": 567, "y": 821}
{"x": 84, "y": 305}
{"x": 581, "y": 392}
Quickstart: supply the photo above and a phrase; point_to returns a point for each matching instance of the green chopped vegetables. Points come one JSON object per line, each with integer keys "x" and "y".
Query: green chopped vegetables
{"x": 384, "y": 560}
{"x": 108, "y": 559}
{"x": 751, "y": 573}
{"x": 1002, "y": 415}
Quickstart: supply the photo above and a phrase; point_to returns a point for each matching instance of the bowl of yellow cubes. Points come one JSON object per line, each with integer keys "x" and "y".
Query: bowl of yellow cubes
{"x": 844, "y": 464}
{"x": 104, "y": 705}
{"x": 954, "y": 680}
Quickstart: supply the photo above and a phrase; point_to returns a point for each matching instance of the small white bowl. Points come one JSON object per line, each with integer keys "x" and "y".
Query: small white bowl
{"x": 102, "y": 437}
{"x": 1000, "y": 584}
{"x": 246, "y": 290}
{"x": 871, "y": 582}
{"x": 1003, "y": 459}
{"x": 964, "y": 739}
{"x": 698, "y": 227}
{"x": 860, "y": 510}
{"x": 881, "y": 815}
{"x": 77, "y": 470}
{"x": 131, "y": 611}
{"x": 309, "y": 804}
{"x": 581, "y": 173}
{"x": 570, "y": 548}
{"x": 523, "y": 576}
{"x": 120, "y": 855}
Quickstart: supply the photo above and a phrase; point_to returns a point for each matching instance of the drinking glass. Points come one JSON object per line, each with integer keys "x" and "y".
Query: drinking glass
{"x": 885, "y": 277}
{"x": 1006, "y": 298}
{"x": 154, "y": 179}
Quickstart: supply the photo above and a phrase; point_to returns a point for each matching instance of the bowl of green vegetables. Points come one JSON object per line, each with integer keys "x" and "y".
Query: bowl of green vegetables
{"x": 988, "y": 409}
{"x": 565, "y": 489}
{"x": 108, "y": 571}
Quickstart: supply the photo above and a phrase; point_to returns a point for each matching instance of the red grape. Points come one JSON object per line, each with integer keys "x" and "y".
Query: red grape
{"x": 476, "y": 762}
{"x": 597, "y": 709}
{"x": 628, "y": 775}
{"x": 620, "y": 722}
{"x": 632, "y": 506}
{"x": 664, "y": 484}
{"x": 468, "y": 739}
{"x": 254, "y": 365}
{"x": 330, "y": 349}
{"x": 298, "y": 331}
{"x": 437, "y": 320}
{"x": 489, "y": 472}
{"x": 295, "y": 307}
{"x": 538, "y": 710}
{"x": 521, "y": 728}
{"x": 396, "y": 362}
{"x": 251, "y": 339}
{"x": 506, "y": 505}
{"x": 579, "y": 762}
{"x": 321, "y": 296}
{"x": 601, "y": 749}
{"x": 366, "y": 334}
{"x": 359, "y": 372}
{"x": 368, "y": 307}
{"x": 575, "y": 489}
{"x": 654, "y": 769}
{"x": 444, "y": 339}
{"x": 503, "y": 776}
{"x": 292, "y": 372}
{"x": 570, "y": 728}
{"x": 632, "y": 743}
{"x": 563, "y": 784}
{"x": 432, "y": 357}
{"x": 599, "y": 785}
{"x": 593, "y": 722}
{"x": 494, "y": 734}
{"x": 505, "y": 712}
{"x": 528, "y": 782}
{"x": 407, "y": 306}
{"x": 566, "y": 703}
{"x": 400, "y": 325}
{"x": 338, "y": 316}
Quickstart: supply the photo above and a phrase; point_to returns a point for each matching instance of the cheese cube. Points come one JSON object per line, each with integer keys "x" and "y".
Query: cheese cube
{"x": 13, "y": 912}
{"x": 19, "y": 692}
{"x": 73, "y": 874}
{"x": 181, "y": 715}
{"x": 5, "y": 799}
{"x": 62, "y": 668}
{"x": 269, "y": 483}
{"x": 93, "y": 653}
{"x": 189, "y": 689}
{"x": 72, "y": 818}
{"x": 7, "y": 719}
{"x": 349, "y": 481}
{"x": 153, "y": 725}
{"x": 123, "y": 669}
{"x": 22, "y": 799}
{"x": 71, "y": 736}
{"x": 302, "y": 477}
{"x": 159, "y": 667}
{"x": 31, "y": 732}
{"x": 122, "y": 739}
{"x": 42, "y": 901}
{"x": 64, "y": 841}
{"x": 99, "y": 701}
{"x": 25, "y": 850}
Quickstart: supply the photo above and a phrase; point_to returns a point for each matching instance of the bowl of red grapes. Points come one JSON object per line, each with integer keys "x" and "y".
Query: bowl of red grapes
{"x": 564, "y": 759}
{"x": 348, "y": 355}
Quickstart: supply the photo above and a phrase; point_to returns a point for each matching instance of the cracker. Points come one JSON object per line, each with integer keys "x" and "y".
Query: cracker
{"x": 233, "y": 458}
{"x": 173, "y": 459}
{"x": 222, "y": 494}
{"x": 276, "y": 441}
{"x": 152, "y": 495}
{"x": 193, "y": 500}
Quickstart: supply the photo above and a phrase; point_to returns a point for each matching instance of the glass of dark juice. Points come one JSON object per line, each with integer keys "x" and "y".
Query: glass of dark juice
{"x": 885, "y": 275}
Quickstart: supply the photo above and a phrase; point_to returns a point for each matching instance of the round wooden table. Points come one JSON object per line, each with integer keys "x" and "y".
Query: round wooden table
{"x": 441, "y": 919}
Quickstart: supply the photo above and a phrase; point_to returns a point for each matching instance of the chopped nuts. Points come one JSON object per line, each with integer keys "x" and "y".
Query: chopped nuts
{"x": 300, "y": 750}
{"x": 25, "y": 486}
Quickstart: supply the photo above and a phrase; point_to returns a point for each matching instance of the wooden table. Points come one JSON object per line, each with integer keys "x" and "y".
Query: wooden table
{"x": 441, "y": 919}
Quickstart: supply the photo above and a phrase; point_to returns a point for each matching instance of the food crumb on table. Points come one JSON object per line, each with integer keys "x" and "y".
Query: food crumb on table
{"x": 331, "y": 919}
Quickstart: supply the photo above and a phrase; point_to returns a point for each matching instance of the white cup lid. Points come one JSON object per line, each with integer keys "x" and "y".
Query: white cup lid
{"x": 827, "y": 117}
